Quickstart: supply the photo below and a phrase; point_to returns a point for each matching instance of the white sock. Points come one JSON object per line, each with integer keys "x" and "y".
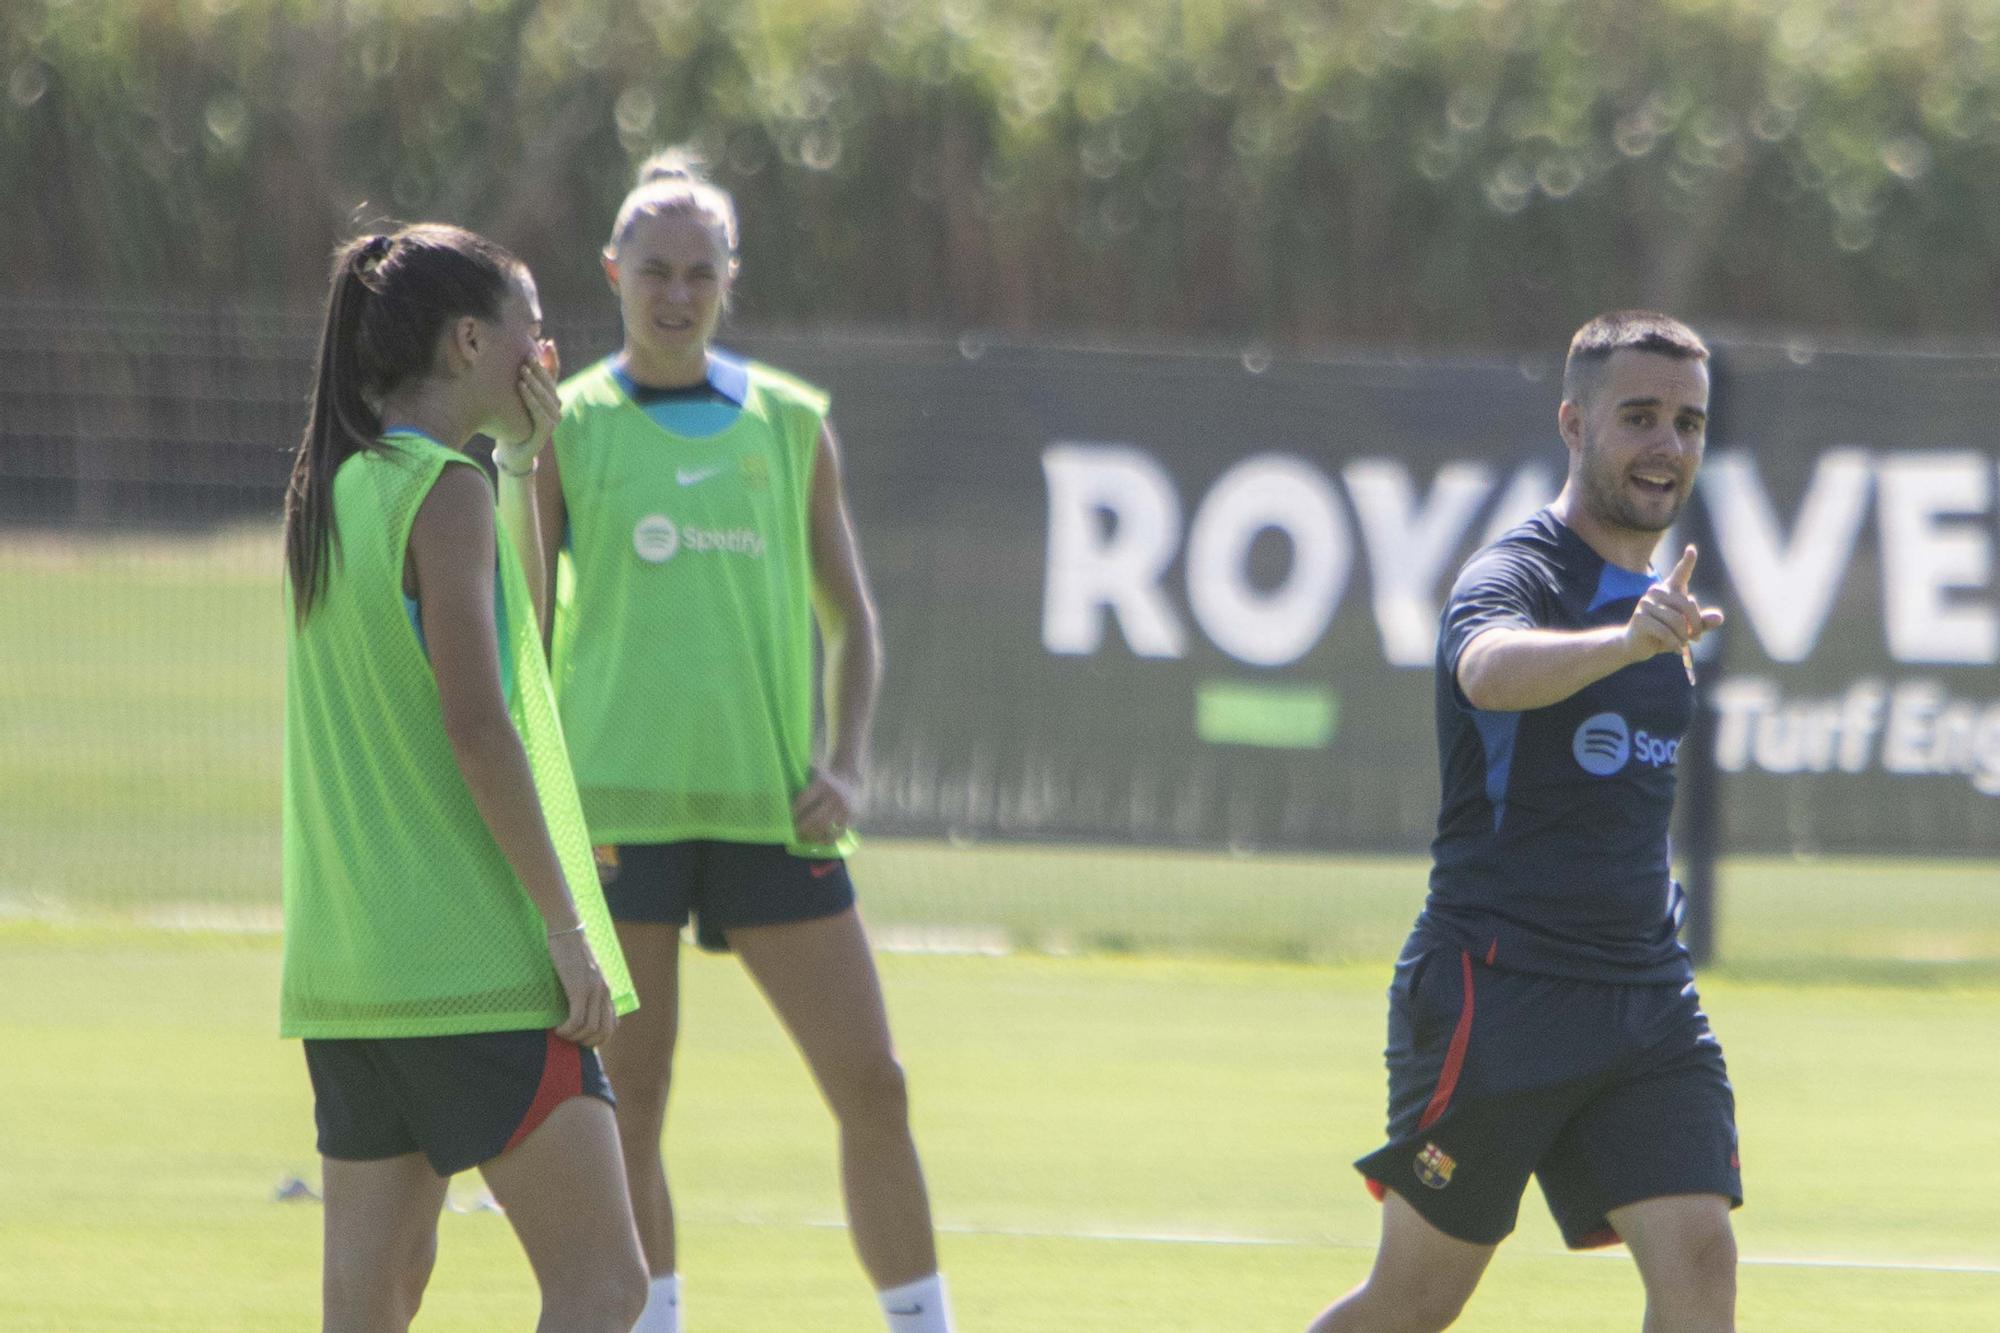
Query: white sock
{"x": 917, "y": 1307}
{"x": 663, "y": 1306}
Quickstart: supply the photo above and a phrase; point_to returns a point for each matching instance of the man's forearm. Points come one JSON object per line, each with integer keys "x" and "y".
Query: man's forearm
{"x": 1512, "y": 670}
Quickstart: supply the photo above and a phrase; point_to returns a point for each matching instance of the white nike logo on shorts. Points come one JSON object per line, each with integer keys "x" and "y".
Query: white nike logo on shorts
{"x": 688, "y": 477}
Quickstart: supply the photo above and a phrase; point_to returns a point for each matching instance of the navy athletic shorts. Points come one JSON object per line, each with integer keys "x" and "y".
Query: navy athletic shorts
{"x": 1608, "y": 1094}
{"x": 720, "y": 885}
{"x": 458, "y": 1100}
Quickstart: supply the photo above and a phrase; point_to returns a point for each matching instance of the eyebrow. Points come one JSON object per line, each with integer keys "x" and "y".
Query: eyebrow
{"x": 1655, "y": 402}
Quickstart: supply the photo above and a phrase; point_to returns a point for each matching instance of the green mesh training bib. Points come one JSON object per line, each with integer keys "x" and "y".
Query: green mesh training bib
{"x": 402, "y": 917}
{"x": 683, "y": 644}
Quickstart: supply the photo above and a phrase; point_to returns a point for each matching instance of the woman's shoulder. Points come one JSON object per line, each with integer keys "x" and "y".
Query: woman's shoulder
{"x": 401, "y": 446}
{"x": 394, "y": 456}
{"x": 786, "y": 388}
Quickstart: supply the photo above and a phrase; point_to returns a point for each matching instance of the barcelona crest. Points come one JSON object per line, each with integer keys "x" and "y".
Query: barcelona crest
{"x": 1434, "y": 1166}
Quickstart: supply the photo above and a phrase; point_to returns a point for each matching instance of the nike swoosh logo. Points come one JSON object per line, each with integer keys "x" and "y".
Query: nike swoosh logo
{"x": 687, "y": 477}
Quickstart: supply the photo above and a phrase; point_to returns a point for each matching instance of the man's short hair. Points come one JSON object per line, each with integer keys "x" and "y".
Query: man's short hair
{"x": 1623, "y": 330}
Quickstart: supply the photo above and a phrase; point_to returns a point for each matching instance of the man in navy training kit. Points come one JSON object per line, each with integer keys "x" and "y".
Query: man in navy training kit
{"x": 1543, "y": 1018}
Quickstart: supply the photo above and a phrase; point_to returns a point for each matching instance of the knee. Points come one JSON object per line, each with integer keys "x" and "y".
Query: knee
{"x": 606, "y": 1296}
{"x": 1711, "y": 1265}
{"x": 1700, "y": 1283}
{"x": 1431, "y": 1309}
{"x": 629, "y": 1291}
{"x": 1418, "y": 1306}
{"x": 353, "y": 1296}
{"x": 416, "y": 1274}
{"x": 640, "y": 1085}
{"x": 872, "y": 1095}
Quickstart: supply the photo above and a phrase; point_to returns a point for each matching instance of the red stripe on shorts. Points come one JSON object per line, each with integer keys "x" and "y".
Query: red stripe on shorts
{"x": 562, "y": 1079}
{"x": 1454, "y": 1058}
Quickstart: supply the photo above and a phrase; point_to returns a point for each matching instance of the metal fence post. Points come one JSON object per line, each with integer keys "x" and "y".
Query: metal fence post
{"x": 1699, "y": 804}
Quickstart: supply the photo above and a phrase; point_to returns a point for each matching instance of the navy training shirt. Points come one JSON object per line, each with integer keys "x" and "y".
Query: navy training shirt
{"x": 1551, "y": 853}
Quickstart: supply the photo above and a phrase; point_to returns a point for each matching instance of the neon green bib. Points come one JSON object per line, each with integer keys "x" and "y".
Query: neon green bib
{"x": 402, "y": 917}
{"x": 683, "y": 636}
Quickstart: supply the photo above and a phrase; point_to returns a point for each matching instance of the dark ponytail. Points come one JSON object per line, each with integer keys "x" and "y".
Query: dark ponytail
{"x": 389, "y": 300}
{"x": 340, "y": 421}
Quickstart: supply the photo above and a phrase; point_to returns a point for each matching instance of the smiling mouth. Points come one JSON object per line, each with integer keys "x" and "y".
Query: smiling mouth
{"x": 1657, "y": 483}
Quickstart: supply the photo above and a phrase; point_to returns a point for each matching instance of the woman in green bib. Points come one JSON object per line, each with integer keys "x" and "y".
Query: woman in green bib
{"x": 448, "y": 957}
{"x": 698, "y": 533}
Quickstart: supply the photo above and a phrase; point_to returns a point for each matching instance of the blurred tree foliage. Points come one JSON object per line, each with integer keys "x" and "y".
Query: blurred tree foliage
{"x": 1297, "y": 171}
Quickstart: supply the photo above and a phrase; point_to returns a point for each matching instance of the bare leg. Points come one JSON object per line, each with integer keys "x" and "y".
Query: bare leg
{"x": 1421, "y": 1280}
{"x": 380, "y": 1242}
{"x": 820, "y": 978}
{"x": 1686, "y": 1252}
{"x": 564, "y": 1191}
{"x": 639, "y": 1061}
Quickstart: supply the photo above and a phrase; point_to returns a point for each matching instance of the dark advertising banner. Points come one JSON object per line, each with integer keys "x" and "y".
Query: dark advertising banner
{"x": 1181, "y": 599}
{"x": 1191, "y": 599}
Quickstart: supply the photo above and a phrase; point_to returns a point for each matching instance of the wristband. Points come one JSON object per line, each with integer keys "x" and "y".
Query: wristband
{"x": 527, "y": 471}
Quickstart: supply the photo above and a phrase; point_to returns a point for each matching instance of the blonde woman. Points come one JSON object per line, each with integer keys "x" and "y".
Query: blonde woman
{"x": 695, "y": 499}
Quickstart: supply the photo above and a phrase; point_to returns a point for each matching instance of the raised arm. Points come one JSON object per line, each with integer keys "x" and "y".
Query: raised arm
{"x": 452, "y": 553}
{"x": 1511, "y": 668}
{"x": 1508, "y": 669}
{"x": 553, "y": 520}
{"x": 518, "y": 465}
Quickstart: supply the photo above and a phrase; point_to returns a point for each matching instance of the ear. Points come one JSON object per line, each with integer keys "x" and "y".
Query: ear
{"x": 610, "y": 261}
{"x": 463, "y": 339}
{"x": 1569, "y": 422}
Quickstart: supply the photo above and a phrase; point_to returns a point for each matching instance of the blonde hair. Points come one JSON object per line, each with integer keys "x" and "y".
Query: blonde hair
{"x": 671, "y": 181}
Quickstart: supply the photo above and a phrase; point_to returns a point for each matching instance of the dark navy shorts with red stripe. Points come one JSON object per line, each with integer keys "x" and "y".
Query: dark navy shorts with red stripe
{"x": 720, "y": 885}
{"x": 458, "y": 1100}
{"x": 1609, "y": 1094}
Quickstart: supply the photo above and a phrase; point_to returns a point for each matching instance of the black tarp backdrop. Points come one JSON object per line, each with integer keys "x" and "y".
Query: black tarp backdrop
{"x": 1861, "y": 706}
{"x": 1189, "y": 599}
{"x": 993, "y": 734}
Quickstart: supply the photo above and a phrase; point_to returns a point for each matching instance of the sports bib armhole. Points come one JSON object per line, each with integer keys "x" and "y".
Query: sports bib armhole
{"x": 413, "y": 606}
{"x": 811, "y": 432}
{"x": 405, "y": 567}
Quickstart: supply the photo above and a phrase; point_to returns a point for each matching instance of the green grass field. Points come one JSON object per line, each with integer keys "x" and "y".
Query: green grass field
{"x": 1136, "y": 1114}
{"x": 1113, "y": 1144}
{"x": 141, "y": 689}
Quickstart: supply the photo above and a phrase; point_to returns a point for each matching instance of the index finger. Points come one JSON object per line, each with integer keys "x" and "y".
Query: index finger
{"x": 1683, "y": 571}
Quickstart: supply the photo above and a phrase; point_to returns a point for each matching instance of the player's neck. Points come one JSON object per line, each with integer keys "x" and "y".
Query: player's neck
{"x": 663, "y": 370}
{"x": 1627, "y": 548}
{"x": 428, "y": 408}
